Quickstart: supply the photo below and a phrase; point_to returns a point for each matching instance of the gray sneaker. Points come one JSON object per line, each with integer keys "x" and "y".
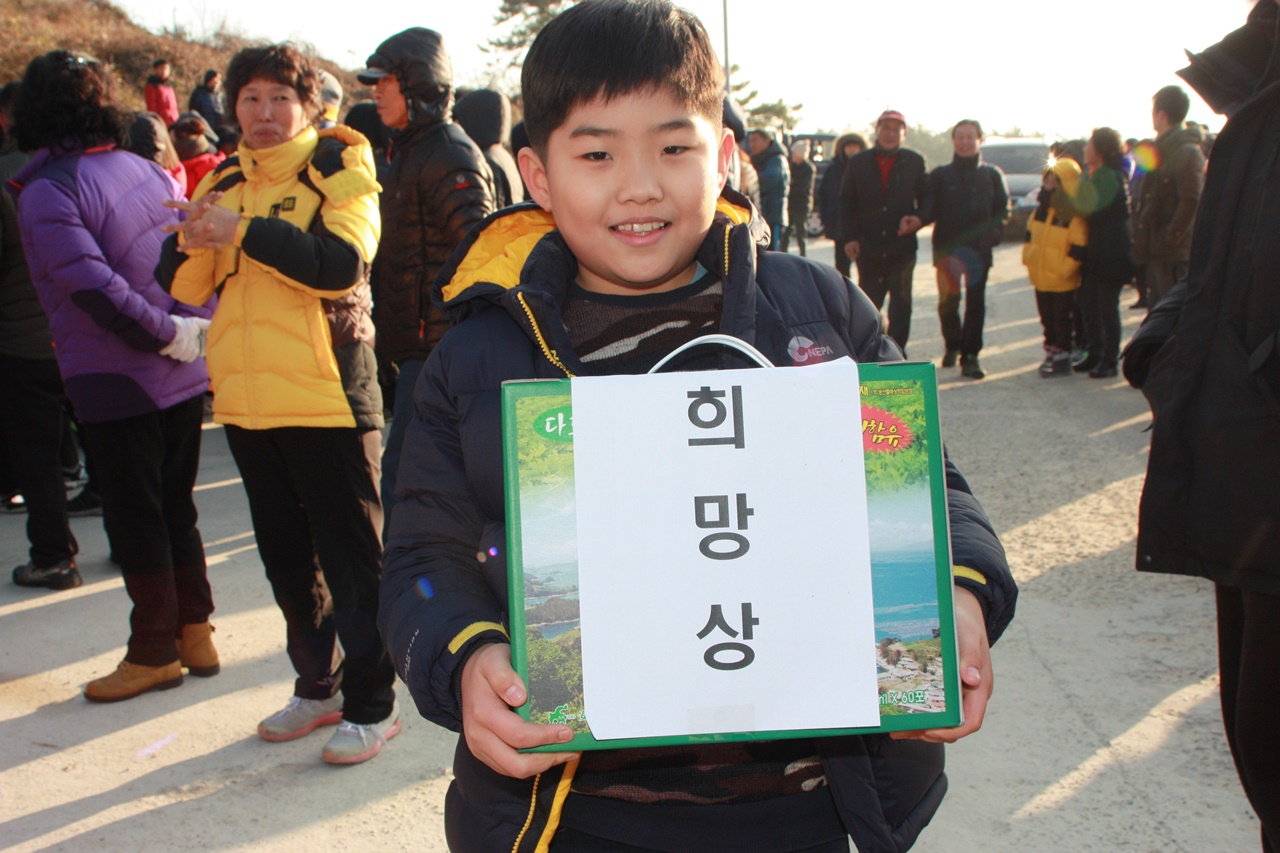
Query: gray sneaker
{"x": 353, "y": 743}
{"x": 301, "y": 717}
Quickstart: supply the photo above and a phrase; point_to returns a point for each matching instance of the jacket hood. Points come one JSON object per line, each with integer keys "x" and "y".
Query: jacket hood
{"x": 486, "y": 117}
{"x": 1067, "y": 171}
{"x": 1231, "y": 72}
{"x": 148, "y": 138}
{"x": 157, "y": 80}
{"x": 837, "y": 150}
{"x": 774, "y": 150}
{"x": 421, "y": 64}
{"x": 494, "y": 257}
{"x": 1178, "y": 137}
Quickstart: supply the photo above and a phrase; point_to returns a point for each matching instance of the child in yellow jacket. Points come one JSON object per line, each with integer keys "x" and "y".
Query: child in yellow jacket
{"x": 1054, "y": 249}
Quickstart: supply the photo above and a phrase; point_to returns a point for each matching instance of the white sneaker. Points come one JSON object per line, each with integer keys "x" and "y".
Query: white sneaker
{"x": 300, "y": 717}
{"x": 353, "y": 743}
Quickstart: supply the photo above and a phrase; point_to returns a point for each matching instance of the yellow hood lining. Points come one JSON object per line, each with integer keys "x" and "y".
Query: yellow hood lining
{"x": 501, "y": 249}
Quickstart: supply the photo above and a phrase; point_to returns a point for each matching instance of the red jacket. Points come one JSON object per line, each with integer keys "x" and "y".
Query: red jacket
{"x": 199, "y": 166}
{"x": 162, "y": 100}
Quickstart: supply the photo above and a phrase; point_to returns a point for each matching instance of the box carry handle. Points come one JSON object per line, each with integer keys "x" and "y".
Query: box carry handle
{"x": 717, "y": 338}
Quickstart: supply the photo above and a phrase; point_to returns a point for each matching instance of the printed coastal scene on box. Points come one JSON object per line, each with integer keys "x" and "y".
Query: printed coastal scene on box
{"x": 906, "y": 529}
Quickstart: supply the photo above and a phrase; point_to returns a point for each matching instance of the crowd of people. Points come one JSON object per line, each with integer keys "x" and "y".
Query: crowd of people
{"x": 1098, "y": 227}
{"x": 307, "y": 276}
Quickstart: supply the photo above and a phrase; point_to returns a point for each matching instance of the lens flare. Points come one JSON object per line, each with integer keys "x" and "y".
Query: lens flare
{"x": 1147, "y": 156}
{"x": 425, "y": 590}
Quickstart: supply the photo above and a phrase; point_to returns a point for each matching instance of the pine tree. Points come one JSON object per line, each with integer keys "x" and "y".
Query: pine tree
{"x": 527, "y": 20}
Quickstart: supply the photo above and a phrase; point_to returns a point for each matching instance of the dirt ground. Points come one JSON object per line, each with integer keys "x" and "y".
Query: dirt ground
{"x": 1103, "y": 734}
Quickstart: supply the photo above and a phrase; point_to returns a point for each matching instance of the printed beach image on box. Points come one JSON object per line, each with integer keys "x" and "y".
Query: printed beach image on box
{"x": 548, "y": 543}
{"x": 903, "y": 560}
{"x": 904, "y": 552}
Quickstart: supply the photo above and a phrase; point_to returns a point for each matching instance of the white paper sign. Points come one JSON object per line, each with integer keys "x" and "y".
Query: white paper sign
{"x": 724, "y": 570}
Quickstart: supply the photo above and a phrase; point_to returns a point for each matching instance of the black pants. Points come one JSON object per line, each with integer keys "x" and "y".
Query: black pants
{"x": 146, "y": 469}
{"x": 844, "y": 266}
{"x": 1249, "y": 661}
{"x": 33, "y": 421}
{"x": 891, "y": 277}
{"x": 1055, "y": 317}
{"x": 799, "y": 221}
{"x": 962, "y": 272}
{"x": 1100, "y": 303}
{"x": 1161, "y": 277}
{"x": 313, "y": 497}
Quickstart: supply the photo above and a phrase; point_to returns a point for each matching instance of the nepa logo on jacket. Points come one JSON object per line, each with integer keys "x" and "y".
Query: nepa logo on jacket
{"x": 802, "y": 350}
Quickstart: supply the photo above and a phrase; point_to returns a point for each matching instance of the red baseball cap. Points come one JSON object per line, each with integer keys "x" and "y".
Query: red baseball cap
{"x": 891, "y": 114}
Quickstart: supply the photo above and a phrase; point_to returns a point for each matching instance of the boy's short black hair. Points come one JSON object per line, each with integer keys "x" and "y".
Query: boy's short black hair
{"x": 608, "y": 48}
{"x": 1175, "y": 103}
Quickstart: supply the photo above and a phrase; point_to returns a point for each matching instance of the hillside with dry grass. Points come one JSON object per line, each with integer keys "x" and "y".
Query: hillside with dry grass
{"x": 29, "y": 28}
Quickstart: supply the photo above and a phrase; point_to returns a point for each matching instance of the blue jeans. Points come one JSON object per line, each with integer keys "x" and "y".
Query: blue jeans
{"x": 400, "y": 417}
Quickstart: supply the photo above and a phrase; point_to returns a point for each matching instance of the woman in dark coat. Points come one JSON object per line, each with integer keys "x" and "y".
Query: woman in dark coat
{"x": 1108, "y": 260}
{"x": 828, "y": 195}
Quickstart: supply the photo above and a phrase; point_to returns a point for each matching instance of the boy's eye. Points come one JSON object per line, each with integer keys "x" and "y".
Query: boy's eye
{"x": 675, "y": 149}
{"x": 595, "y": 156}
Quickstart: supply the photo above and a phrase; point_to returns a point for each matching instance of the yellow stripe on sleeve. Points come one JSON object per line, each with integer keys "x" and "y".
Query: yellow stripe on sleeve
{"x": 470, "y": 631}
{"x": 967, "y": 573}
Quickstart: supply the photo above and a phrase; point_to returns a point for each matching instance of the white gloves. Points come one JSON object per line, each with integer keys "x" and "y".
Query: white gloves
{"x": 188, "y": 342}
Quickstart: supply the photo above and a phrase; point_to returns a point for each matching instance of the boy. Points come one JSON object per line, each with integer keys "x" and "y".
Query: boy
{"x": 631, "y": 249}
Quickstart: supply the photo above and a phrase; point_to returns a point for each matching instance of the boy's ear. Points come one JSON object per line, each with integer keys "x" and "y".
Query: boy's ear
{"x": 723, "y": 156}
{"x": 535, "y": 177}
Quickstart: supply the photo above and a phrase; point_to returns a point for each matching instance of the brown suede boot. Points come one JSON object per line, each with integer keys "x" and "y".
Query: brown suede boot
{"x": 197, "y": 652}
{"x": 132, "y": 679}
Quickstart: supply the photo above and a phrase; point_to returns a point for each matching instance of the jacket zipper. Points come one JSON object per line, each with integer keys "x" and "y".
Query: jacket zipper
{"x": 533, "y": 804}
{"x": 726, "y": 251}
{"x": 542, "y": 342}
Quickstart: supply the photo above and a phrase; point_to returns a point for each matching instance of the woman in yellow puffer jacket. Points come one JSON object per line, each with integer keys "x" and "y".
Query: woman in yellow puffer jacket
{"x": 285, "y": 232}
{"x": 1053, "y": 252}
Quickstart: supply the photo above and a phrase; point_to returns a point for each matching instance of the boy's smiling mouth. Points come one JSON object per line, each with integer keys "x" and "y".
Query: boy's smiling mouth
{"x": 639, "y": 227}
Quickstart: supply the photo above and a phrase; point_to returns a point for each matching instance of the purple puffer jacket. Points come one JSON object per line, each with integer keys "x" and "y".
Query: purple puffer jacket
{"x": 90, "y": 221}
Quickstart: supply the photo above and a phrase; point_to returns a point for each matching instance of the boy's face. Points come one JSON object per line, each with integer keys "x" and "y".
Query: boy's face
{"x": 632, "y": 183}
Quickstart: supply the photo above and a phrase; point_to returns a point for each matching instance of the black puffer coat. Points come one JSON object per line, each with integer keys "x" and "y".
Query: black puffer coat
{"x": 970, "y": 204}
{"x": 438, "y": 186}
{"x": 1213, "y": 478}
{"x": 452, "y": 507}
{"x": 871, "y": 214}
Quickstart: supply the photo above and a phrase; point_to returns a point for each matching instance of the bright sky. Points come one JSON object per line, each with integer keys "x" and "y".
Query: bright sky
{"x": 1023, "y": 63}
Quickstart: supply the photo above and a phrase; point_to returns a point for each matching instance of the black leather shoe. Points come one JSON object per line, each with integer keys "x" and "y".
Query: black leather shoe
{"x": 949, "y": 357}
{"x": 1103, "y": 370}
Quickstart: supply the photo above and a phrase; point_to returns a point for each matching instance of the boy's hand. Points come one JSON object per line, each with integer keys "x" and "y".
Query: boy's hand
{"x": 851, "y": 249}
{"x": 976, "y": 679}
{"x": 909, "y": 225}
{"x": 490, "y": 689}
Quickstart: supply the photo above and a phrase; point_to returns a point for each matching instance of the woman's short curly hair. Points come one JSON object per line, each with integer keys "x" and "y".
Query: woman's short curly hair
{"x": 280, "y": 63}
{"x": 66, "y": 99}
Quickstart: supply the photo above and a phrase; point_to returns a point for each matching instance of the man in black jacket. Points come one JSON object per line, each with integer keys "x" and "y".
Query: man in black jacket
{"x": 439, "y": 185}
{"x": 1208, "y": 362}
{"x": 883, "y": 197}
{"x": 970, "y": 202}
